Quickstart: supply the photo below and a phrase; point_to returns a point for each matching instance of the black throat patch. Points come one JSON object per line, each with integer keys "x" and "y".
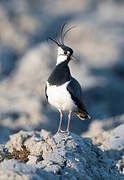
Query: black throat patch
{"x": 60, "y": 74}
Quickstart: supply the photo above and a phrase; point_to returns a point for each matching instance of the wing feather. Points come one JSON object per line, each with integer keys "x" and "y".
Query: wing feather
{"x": 75, "y": 90}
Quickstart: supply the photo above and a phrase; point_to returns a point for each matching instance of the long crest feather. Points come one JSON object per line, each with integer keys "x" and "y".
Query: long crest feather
{"x": 54, "y": 40}
{"x": 67, "y": 31}
{"x": 63, "y": 33}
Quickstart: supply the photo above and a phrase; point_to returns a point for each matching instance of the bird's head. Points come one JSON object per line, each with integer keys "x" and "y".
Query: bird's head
{"x": 64, "y": 52}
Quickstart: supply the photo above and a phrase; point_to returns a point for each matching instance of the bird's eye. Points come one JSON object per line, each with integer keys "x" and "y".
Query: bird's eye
{"x": 66, "y": 52}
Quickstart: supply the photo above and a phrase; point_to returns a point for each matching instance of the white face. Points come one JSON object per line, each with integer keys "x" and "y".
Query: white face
{"x": 61, "y": 55}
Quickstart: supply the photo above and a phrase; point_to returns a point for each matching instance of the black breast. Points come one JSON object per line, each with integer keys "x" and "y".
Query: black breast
{"x": 60, "y": 74}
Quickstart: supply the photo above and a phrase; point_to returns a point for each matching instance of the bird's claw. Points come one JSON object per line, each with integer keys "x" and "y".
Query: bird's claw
{"x": 61, "y": 131}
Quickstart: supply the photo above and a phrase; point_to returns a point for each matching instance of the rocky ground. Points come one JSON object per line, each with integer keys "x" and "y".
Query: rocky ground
{"x": 39, "y": 155}
{"x": 27, "y": 58}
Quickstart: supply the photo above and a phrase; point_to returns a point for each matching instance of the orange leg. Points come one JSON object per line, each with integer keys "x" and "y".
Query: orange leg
{"x": 69, "y": 118}
{"x": 60, "y": 123}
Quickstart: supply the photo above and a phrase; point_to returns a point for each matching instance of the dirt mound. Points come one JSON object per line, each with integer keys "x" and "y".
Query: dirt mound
{"x": 62, "y": 156}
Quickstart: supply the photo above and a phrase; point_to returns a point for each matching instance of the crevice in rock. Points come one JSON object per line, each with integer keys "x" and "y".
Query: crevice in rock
{"x": 40, "y": 158}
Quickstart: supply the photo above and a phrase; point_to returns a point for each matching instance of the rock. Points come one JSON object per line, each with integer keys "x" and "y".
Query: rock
{"x": 113, "y": 139}
{"x": 116, "y": 141}
{"x": 62, "y": 156}
{"x": 112, "y": 143}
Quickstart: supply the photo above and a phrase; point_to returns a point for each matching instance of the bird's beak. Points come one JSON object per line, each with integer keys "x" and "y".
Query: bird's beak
{"x": 73, "y": 58}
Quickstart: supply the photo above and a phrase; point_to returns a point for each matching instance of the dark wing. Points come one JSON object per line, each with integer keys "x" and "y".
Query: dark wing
{"x": 74, "y": 89}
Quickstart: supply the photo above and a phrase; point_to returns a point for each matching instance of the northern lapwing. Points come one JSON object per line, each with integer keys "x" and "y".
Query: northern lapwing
{"x": 62, "y": 90}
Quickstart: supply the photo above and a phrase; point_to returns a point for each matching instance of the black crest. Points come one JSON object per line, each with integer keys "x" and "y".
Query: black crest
{"x": 64, "y": 30}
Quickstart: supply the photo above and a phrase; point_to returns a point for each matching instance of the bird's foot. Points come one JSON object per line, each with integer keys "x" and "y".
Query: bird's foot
{"x": 61, "y": 131}
{"x": 67, "y": 131}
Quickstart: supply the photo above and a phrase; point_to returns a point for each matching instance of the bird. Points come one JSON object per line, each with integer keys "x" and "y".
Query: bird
{"x": 62, "y": 90}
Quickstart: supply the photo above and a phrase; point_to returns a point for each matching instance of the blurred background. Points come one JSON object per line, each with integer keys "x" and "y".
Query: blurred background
{"x": 26, "y": 60}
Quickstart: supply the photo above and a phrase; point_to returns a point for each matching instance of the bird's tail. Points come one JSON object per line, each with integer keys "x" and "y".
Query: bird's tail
{"x": 82, "y": 115}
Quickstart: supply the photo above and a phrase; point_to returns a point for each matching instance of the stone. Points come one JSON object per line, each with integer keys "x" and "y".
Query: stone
{"x": 62, "y": 156}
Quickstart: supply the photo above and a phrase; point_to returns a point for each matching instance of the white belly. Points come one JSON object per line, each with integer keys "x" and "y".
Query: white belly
{"x": 59, "y": 97}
